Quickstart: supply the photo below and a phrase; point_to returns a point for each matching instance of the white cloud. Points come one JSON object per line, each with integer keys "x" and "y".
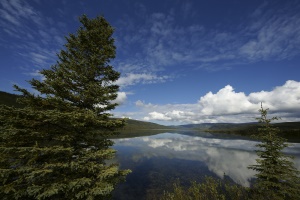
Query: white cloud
{"x": 140, "y": 103}
{"x": 284, "y": 98}
{"x": 157, "y": 116}
{"x": 173, "y": 115}
{"x": 132, "y": 79}
{"x": 225, "y": 101}
{"x": 37, "y": 74}
{"x": 40, "y": 59}
{"x": 229, "y": 106}
{"x": 121, "y": 98}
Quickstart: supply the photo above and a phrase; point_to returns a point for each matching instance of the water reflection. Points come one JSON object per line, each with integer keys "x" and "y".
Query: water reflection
{"x": 219, "y": 155}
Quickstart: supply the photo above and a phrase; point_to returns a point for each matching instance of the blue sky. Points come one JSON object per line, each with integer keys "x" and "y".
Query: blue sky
{"x": 181, "y": 62}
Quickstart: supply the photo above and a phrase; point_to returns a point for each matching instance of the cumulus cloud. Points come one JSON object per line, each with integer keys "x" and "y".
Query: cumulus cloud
{"x": 284, "y": 98}
{"x": 174, "y": 115}
{"x": 227, "y": 105}
{"x": 226, "y": 101}
{"x": 158, "y": 116}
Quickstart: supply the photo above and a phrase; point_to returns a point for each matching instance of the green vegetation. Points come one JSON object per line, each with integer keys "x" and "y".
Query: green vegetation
{"x": 210, "y": 189}
{"x": 289, "y": 130}
{"x": 9, "y": 99}
{"x": 135, "y": 128}
{"x": 56, "y": 146}
{"x": 140, "y": 125}
{"x": 276, "y": 177}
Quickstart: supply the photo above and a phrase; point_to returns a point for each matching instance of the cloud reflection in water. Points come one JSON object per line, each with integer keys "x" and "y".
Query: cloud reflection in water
{"x": 229, "y": 156}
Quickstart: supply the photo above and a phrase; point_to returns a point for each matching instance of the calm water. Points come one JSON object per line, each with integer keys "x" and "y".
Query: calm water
{"x": 157, "y": 161}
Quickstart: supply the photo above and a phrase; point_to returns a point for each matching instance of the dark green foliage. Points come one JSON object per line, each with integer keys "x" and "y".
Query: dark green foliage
{"x": 57, "y": 146}
{"x": 141, "y": 125}
{"x": 9, "y": 99}
{"x": 277, "y": 178}
{"x": 288, "y": 130}
{"x": 210, "y": 189}
{"x": 135, "y": 128}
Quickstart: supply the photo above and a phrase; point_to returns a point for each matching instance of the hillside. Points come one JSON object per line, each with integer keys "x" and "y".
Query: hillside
{"x": 289, "y": 130}
{"x": 141, "y": 125}
{"x": 216, "y": 126}
{"x": 135, "y": 128}
{"x": 9, "y": 99}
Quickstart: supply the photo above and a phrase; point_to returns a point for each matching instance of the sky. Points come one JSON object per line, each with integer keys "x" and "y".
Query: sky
{"x": 181, "y": 61}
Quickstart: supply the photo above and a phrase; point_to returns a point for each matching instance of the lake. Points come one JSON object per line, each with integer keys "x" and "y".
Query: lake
{"x": 157, "y": 161}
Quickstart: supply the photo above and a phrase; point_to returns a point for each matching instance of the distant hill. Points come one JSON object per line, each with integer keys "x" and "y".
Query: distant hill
{"x": 142, "y": 125}
{"x": 135, "y": 128}
{"x": 215, "y": 126}
{"x": 9, "y": 99}
{"x": 289, "y": 130}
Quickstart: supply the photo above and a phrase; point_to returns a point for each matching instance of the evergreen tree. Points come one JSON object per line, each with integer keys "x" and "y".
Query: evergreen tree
{"x": 57, "y": 146}
{"x": 277, "y": 178}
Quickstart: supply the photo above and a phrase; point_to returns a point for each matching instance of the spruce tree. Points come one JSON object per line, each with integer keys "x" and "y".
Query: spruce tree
{"x": 277, "y": 178}
{"x": 57, "y": 146}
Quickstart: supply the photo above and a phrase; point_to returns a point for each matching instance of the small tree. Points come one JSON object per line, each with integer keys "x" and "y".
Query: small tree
{"x": 277, "y": 178}
{"x": 57, "y": 146}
